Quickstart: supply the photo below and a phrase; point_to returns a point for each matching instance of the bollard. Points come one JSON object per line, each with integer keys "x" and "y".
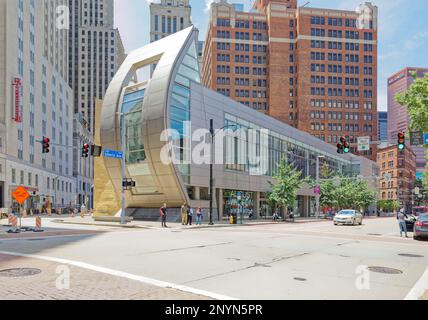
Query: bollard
{"x": 38, "y": 225}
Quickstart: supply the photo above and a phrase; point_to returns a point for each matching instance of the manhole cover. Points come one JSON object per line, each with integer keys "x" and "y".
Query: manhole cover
{"x": 300, "y": 279}
{"x": 408, "y": 255}
{"x": 385, "y": 270}
{"x": 19, "y": 272}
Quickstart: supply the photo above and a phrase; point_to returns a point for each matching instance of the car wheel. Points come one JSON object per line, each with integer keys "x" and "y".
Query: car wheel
{"x": 415, "y": 237}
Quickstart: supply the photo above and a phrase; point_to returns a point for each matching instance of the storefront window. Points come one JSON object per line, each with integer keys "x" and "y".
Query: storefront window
{"x": 239, "y": 203}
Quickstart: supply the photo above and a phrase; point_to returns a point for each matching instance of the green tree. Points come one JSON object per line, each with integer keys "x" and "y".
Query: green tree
{"x": 416, "y": 101}
{"x": 288, "y": 182}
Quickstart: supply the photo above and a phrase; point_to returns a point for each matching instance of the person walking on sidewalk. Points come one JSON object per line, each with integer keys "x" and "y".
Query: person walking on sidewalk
{"x": 401, "y": 217}
{"x": 164, "y": 213}
{"x": 184, "y": 214}
{"x": 189, "y": 215}
{"x": 199, "y": 216}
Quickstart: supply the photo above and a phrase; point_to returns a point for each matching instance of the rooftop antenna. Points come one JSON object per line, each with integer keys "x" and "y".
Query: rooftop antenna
{"x": 305, "y": 4}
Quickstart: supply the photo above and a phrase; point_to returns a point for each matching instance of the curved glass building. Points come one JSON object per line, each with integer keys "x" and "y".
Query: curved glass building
{"x": 161, "y": 125}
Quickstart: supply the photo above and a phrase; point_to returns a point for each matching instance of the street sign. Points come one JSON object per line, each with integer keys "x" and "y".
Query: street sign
{"x": 20, "y": 195}
{"x": 416, "y": 138}
{"x": 363, "y": 143}
{"x": 426, "y": 138}
{"x": 113, "y": 154}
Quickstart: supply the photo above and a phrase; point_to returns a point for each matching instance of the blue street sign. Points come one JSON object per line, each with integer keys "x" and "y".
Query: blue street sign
{"x": 426, "y": 138}
{"x": 113, "y": 154}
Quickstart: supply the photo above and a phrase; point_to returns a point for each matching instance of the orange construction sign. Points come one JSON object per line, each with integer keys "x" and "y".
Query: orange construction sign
{"x": 20, "y": 195}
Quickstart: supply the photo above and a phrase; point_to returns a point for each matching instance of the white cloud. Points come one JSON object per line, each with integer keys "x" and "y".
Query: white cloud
{"x": 208, "y": 5}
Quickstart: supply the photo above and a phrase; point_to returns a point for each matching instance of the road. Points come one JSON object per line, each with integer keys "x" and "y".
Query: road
{"x": 276, "y": 261}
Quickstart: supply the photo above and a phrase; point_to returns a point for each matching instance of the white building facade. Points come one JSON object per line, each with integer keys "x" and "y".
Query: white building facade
{"x": 35, "y": 102}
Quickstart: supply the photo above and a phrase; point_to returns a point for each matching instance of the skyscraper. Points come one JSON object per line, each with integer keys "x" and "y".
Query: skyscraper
{"x": 168, "y": 17}
{"x": 398, "y": 118}
{"x": 96, "y": 52}
{"x": 315, "y": 69}
{"x": 33, "y": 61}
{"x": 383, "y": 126}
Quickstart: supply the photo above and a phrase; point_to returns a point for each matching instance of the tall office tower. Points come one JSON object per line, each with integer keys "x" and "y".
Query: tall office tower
{"x": 96, "y": 53}
{"x": 398, "y": 118}
{"x": 168, "y": 17}
{"x": 382, "y": 126}
{"x": 315, "y": 69}
{"x": 35, "y": 102}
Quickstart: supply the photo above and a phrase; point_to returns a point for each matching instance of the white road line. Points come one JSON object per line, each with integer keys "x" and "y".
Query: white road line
{"x": 419, "y": 289}
{"x": 149, "y": 281}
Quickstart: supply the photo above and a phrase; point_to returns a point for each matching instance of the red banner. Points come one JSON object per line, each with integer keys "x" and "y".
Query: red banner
{"x": 17, "y": 84}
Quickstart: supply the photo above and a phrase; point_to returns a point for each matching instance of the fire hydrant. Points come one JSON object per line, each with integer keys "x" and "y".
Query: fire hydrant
{"x": 231, "y": 219}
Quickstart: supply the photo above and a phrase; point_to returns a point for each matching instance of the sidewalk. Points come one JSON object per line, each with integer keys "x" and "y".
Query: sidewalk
{"x": 157, "y": 225}
{"x": 53, "y": 281}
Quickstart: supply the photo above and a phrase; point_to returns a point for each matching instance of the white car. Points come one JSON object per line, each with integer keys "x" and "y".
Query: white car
{"x": 351, "y": 217}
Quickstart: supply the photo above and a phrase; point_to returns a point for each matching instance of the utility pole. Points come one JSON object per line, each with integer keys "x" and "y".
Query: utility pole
{"x": 211, "y": 171}
{"x": 122, "y": 214}
{"x": 318, "y": 196}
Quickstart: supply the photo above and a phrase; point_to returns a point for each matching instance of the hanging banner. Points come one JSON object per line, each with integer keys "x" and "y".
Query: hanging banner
{"x": 17, "y": 85}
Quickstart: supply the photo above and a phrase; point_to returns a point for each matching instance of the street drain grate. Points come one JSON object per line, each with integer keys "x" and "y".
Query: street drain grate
{"x": 408, "y": 255}
{"x": 300, "y": 279}
{"x": 19, "y": 272}
{"x": 384, "y": 270}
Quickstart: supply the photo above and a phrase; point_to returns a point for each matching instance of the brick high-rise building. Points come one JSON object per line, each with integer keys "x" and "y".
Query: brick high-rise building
{"x": 398, "y": 118}
{"x": 398, "y": 173}
{"x": 315, "y": 69}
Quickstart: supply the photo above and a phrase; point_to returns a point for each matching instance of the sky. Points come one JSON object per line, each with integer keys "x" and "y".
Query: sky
{"x": 403, "y": 30}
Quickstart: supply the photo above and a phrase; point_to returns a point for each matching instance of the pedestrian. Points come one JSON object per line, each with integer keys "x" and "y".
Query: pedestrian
{"x": 276, "y": 215}
{"x": 401, "y": 217}
{"x": 184, "y": 214}
{"x": 163, "y": 212}
{"x": 83, "y": 210}
{"x": 189, "y": 215}
{"x": 199, "y": 216}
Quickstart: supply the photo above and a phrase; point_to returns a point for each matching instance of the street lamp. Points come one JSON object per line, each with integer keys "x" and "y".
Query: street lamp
{"x": 123, "y": 142}
{"x": 318, "y": 196}
{"x": 213, "y": 134}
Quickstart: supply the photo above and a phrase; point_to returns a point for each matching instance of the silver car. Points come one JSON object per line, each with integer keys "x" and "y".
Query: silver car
{"x": 351, "y": 217}
{"x": 421, "y": 227}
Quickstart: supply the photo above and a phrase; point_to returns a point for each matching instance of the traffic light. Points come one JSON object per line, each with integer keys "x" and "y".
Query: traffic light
{"x": 85, "y": 150}
{"x": 401, "y": 141}
{"x": 346, "y": 147}
{"x": 46, "y": 145}
{"x": 343, "y": 146}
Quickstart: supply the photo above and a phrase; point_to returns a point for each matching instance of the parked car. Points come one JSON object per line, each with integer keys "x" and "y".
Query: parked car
{"x": 421, "y": 227}
{"x": 351, "y": 217}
